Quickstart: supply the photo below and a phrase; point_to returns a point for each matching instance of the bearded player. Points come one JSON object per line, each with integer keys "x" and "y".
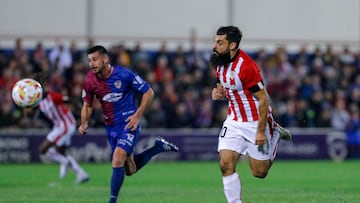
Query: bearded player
{"x": 249, "y": 127}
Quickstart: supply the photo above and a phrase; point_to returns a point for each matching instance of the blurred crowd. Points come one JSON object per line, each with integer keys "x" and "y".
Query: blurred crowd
{"x": 318, "y": 88}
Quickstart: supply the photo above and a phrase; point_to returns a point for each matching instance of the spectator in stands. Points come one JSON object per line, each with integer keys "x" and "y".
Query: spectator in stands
{"x": 60, "y": 58}
{"x": 340, "y": 116}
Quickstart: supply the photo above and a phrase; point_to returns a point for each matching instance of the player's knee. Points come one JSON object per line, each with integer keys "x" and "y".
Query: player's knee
{"x": 226, "y": 168}
{"x": 259, "y": 173}
{"x": 42, "y": 150}
{"x": 130, "y": 172}
{"x": 119, "y": 158}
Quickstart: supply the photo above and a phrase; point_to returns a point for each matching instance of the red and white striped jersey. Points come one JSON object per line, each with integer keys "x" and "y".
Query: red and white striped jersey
{"x": 54, "y": 108}
{"x": 237, "y": 78}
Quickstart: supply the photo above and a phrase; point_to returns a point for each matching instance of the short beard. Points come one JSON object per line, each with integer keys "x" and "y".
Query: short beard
{"x": 217, "y": 59}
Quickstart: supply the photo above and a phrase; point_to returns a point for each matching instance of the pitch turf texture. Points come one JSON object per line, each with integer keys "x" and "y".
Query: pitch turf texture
{"x": 184, "y": 182}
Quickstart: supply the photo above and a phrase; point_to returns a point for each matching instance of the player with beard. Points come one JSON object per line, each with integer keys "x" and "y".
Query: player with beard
{"x": 249, "y": 127}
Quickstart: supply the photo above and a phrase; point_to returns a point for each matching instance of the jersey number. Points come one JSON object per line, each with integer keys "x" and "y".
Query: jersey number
{"x": 223, "y": 131}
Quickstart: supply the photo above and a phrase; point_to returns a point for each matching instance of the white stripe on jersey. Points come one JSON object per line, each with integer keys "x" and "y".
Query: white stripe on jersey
{"x": 56, "y": 113}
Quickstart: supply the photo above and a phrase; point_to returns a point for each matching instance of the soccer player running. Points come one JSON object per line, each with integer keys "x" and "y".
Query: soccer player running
{"x": 115, "y": 88}
{"x": 58, "y": 140}
{"x": 249, "y": 126}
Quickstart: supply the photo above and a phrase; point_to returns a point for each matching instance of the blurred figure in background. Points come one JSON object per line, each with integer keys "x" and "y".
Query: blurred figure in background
{"x": 58, "y": 140}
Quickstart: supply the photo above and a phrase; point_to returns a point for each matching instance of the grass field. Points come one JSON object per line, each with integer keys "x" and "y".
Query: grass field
{"x": 185, "y": 182}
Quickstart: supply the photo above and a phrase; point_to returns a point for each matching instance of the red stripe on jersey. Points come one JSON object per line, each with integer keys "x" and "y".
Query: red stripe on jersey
{"x": 252, "y": 104}
{"x": 217, "y": 69}
{"x": 241, "y": 106}
{"x": 62, "y": 134}
{"x": 233, "y": 66}
{"x": 224, "y": 74}
{"x": 231, "y": 105}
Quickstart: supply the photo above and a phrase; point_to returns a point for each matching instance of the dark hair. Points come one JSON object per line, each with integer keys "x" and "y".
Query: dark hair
{"x": 96, "y": 48}
{"x": 233, "y": 34}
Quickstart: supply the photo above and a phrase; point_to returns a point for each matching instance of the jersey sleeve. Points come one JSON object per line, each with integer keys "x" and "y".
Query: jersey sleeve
{"x": 87, "y": 91}
{"x": 138, "y": 83}
{"x": 57, "y": 98}
{"x": 251, "y": 77}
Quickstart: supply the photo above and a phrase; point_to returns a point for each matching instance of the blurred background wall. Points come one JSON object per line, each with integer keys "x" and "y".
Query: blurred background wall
{"x": 264, "y": 23}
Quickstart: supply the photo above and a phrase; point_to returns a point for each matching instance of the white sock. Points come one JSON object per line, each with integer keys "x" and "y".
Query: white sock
{"x": 274, "y": 145}
{"x": 74, "y": 165}
{"x": 232, "y": 188}
{"x": 56, "y": 156}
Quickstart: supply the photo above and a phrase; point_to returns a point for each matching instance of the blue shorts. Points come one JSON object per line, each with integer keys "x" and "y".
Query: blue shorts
{"x": 125, "y": 139}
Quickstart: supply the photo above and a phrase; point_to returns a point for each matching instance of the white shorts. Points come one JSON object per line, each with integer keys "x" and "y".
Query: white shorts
{"x": 240, "y": 137}
{"x": 61, "y": 136}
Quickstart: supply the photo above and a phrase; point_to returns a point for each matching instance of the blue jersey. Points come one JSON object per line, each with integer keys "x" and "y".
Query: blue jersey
{"x": 115, "y": 93}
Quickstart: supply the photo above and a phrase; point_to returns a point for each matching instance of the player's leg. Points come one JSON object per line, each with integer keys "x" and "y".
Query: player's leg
{"x": 122, "y": 144}
{"x": 47, "y": 148}
{"x": 160, "y": 145}
{"x": 262, "y": 157}
{"x": 231, "y": 145}
{"x": 118, "y": 161}
{"x": 65, "y": 141}
{"x": 81, "y": 175}
{"x": 230, "y": 178}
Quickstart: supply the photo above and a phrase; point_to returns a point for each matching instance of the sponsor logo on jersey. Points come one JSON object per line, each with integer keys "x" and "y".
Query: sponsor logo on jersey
{"x": 112, "y": 97}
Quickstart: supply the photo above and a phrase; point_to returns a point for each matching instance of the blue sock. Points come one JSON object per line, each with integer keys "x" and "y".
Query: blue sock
{"x": 117, "y": 179}
{"x": 143, "y": 158}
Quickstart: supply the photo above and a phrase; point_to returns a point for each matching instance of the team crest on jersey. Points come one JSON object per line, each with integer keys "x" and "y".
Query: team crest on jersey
{"x": 117, "y": 84}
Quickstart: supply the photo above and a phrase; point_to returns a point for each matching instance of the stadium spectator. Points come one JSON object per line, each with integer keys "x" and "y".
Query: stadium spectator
{"x": 249, "y": 127}
{"x": 115, "y": 88}
{"x": 340, "y": 117}
{"x": 60, "y": 58}
{"x": 156, "y": 116}
{"x": 38, "y": 55}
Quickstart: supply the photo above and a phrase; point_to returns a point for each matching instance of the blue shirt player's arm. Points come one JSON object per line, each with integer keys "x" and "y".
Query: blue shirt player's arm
{"x": 147, "y": 96}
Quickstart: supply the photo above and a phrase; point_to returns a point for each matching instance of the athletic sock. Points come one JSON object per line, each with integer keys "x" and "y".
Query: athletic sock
{"x": 274, "y": 145}
{"x": 143, "y": 158}
{"x": 232, "y": 188}
{"x": 117, "y": 179}
{"x": 56, "y": 156}
{"x": 74, "y": 165}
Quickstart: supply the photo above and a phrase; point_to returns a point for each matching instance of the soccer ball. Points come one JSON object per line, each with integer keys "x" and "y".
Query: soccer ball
{"x": 27, "y": 92}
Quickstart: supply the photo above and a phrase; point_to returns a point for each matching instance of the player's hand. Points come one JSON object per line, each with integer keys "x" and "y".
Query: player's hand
{"x": 132, "y": 122}
{"x": 83, "y": 129}
{"x": 260, "y": 138}
{"x": 218, "y": 92}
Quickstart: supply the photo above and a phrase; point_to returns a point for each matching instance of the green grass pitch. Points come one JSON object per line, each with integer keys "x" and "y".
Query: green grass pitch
{"x": 184, "y": 182}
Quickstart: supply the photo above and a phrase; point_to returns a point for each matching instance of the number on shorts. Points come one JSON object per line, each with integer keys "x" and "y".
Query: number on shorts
{"x": 223, "y": 131}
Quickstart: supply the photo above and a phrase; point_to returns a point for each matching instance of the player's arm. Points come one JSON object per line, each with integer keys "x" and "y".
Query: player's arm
{"x": 133, "y": 120}
{"x": 264, "y": 102}
{"x": 218, "y": 93}
{"x": 86, "y": 111}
